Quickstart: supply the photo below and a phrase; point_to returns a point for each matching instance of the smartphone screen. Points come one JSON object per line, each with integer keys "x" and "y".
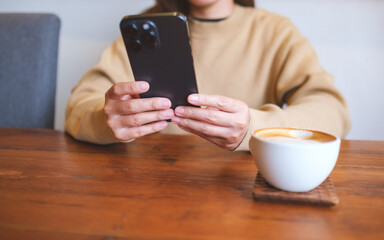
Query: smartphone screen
{"x": 159, "y": 52}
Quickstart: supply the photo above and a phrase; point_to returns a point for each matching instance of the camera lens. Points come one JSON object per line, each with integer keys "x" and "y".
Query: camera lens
{"x": 148, "y": 37}
{"x": 132, "y": 30}
{"x": 134, "y": 45}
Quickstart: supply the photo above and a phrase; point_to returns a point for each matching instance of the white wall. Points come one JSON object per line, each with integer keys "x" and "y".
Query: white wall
{"x": 347, "y": 34}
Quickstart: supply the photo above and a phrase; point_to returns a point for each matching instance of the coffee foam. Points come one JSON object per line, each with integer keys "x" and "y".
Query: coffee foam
{"x": 298, "y": 136}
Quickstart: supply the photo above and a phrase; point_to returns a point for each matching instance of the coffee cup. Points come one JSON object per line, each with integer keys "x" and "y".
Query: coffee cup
{"x": 295, "y": 160}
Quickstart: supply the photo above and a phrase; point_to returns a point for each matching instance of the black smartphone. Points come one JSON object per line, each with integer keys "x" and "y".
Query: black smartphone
{"x": 159, "y": 52}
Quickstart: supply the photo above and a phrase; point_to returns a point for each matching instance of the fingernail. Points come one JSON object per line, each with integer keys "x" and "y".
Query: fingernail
{"x": 143, "y": 86}
{"x": 169, "y": 113}
{"x": 179, "y": 110}
{"x": 193, "y": 98}
{"x": 175, "y": 120}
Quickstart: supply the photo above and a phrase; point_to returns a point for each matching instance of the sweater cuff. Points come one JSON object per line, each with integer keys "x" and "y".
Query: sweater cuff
{"x": 91, "y": 124}
{"x": 262, "y": 118}
{"x": 101, "y": 133}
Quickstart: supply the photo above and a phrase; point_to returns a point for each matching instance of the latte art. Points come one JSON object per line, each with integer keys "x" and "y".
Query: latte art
{"x": 296, "y": 136}
{"x": 290, "y": 140}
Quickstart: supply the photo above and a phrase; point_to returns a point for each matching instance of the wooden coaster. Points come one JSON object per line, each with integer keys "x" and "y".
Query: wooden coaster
{"x": 323, "y": 195}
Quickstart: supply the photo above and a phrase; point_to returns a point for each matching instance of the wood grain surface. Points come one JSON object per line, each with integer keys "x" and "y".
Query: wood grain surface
{"x": 170, "y": 187}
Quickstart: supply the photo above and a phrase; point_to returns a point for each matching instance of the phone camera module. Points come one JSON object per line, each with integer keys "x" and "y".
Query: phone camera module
{"x": 146, "y": 26}
{"x": 132, "y": 30}
{"x": 148, "y": 37}
{"x": 134, "y": 46}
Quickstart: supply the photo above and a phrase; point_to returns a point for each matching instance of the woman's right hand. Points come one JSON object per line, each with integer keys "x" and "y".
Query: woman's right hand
{"x": 130, "y": 116}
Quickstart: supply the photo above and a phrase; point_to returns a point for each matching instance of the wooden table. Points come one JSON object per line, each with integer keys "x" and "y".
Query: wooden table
{"x": 170, "y": 187}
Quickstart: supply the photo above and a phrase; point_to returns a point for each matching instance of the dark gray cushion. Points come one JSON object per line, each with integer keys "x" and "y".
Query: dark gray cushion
{"x": 28, "y": 69}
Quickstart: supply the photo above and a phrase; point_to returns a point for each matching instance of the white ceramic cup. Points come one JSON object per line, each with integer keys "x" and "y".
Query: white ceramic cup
{"x": 295, "y": 160}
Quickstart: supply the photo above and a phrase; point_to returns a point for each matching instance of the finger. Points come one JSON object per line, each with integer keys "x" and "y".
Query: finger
{"x": 202, "y": 128}
{"x": 126, "y": 134}
{"x": 120, "y": 90}
{"x": 215, "y": 101}
{"x": 209, "y": 115}
{"x": 139, "y": 105}
{"x": 209, "y": 138}
{"x": 216, "y": 140}
{"x": 139, "y": 119}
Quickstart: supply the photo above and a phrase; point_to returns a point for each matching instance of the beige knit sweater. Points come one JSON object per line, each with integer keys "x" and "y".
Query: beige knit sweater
{"x": 255, "y": 56}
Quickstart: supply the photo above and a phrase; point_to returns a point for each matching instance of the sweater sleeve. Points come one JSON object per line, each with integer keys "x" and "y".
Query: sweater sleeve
{"x": 85, "y": 118}
{"x": 303, "y": 94}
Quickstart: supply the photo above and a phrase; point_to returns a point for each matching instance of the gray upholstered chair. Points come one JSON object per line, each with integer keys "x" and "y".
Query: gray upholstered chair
{"x": 28, "y": 69}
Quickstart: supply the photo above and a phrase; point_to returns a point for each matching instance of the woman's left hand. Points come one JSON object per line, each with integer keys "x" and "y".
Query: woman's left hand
{"x": 221, "y": 120}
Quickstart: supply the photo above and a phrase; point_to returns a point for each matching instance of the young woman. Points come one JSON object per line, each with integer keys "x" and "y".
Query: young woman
{"x": 254, "y": 70}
